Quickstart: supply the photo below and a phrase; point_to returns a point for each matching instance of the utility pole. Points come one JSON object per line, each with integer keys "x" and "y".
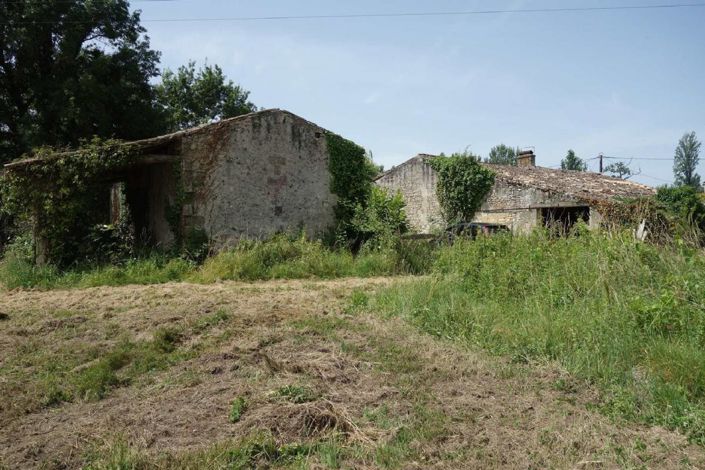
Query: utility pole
{"x": 600, "y": 157}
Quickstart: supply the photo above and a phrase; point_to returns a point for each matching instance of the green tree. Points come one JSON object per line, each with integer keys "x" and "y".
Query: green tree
{"x": 619, "y": 169}
{"x": 191, "y": 97}
{"x": 502, "y": 155}
{"x": 72, "y": 69}
{"x": 686, "y": 161}
{"x": 573, "y": 162}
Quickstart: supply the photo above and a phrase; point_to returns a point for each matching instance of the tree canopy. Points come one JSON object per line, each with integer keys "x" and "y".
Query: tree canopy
{"x": 619, "y": 169}
{"x": 686, "y": 161}
{"x": 573, "y": 162}
{"x": 190, "y": 97}
{"x": 502, "y": 155}
{"x": 72, "y": 69}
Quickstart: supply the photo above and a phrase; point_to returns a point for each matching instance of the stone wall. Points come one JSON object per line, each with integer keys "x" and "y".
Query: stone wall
{"x": 255, "y": 176}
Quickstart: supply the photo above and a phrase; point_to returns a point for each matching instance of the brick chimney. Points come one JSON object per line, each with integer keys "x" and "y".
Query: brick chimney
{"x": 526, "y": 158}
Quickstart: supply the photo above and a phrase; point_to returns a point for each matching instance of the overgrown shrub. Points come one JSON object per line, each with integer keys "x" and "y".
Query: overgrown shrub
{"x": 62, "y": 194}
{"x": 683, "y": 202}
{"x": 674, "y": 215}
{"x": 352, "y": 172}
{"x": 382, "y": 218}
{"x": 462, "y": 186}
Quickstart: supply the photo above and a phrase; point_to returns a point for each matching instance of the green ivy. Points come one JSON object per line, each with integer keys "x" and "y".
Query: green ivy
{"x": 351, "y": 180}
{"x": 62, "y": 194}
{"x": 463, "y": 183}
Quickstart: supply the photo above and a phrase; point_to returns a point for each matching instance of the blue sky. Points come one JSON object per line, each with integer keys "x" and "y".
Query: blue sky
{"x": 625, "y": 83}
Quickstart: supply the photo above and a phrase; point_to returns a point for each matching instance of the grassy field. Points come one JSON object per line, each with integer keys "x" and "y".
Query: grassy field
{"x": 526, "y": 352}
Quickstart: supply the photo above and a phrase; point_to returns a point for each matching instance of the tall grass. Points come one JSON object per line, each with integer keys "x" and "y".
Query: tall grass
{"x": 21, "y": 273}
{"x": 626, "y": 316}
{"x": 280, "y": 257}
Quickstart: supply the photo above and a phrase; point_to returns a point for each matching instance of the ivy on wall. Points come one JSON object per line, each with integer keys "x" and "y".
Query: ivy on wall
{"x": 62, "y": 194}
{"x": 462, "y": 186}
{"x": 351, "y": 181}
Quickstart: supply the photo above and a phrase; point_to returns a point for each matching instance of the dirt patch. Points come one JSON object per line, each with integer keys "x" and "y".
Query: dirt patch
{"x": 385, "y": 395}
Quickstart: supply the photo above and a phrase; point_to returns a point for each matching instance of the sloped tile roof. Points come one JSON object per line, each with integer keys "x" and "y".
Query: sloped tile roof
{"x": 583, "y": 185}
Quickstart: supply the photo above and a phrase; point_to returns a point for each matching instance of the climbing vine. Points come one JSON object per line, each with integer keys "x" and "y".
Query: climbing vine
{"x": 62, "y": 193}
{"x": 351, "y": 180}
{"x": 462, "y": 186}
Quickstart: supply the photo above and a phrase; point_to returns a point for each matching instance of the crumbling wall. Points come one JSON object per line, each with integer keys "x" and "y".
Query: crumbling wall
{"x": 255, "y": 176}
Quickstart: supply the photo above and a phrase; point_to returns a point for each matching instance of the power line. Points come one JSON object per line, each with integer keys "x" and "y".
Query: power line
{"x": 407, "y": 14}
{"x": 640, "y": 158}
{"x": 655, "y": 178}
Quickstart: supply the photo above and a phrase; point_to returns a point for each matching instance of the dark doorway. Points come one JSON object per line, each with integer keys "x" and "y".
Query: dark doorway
{"x": 561, "y": 220}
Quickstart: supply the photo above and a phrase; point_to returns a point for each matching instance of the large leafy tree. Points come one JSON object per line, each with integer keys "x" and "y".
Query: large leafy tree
{"x": 502, "y": 155}
{"x": 191, "y": 97}
{"x": 686, "y": 161}
{"x": 73, "y": 69}
{"x": 573, "y": 162}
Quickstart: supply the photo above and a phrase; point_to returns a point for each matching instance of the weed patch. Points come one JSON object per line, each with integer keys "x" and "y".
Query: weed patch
{"x": 237, "y": 409}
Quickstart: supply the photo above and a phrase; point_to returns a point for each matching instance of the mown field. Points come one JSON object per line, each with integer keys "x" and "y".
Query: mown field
{"x": 582, "y": 352}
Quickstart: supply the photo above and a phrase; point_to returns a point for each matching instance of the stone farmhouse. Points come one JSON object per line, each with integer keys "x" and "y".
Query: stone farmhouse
{"x": 523, "y": 197}
{"x": 249, "y": 176}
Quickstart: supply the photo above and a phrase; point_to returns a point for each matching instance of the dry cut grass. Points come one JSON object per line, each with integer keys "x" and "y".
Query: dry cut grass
{"x": 283, "y": 374}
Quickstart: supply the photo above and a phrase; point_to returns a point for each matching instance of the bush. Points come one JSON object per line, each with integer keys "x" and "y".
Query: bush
{"x": 382, "y": 218}
{"x": 683, "y": 202}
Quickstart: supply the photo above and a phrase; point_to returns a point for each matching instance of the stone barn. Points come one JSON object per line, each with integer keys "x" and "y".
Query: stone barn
{"x": 523, "y": 197}
{"x": 249, "y": 176}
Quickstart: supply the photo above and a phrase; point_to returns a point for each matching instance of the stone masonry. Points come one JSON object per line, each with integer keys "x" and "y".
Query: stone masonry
{"x": 257, "y": 175}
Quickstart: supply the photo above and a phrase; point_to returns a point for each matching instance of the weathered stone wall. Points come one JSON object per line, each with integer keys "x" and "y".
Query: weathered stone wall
{"x": 416, "y": 181}
{"x": 255, "y": 176}
{"x": 518, "y": 207}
